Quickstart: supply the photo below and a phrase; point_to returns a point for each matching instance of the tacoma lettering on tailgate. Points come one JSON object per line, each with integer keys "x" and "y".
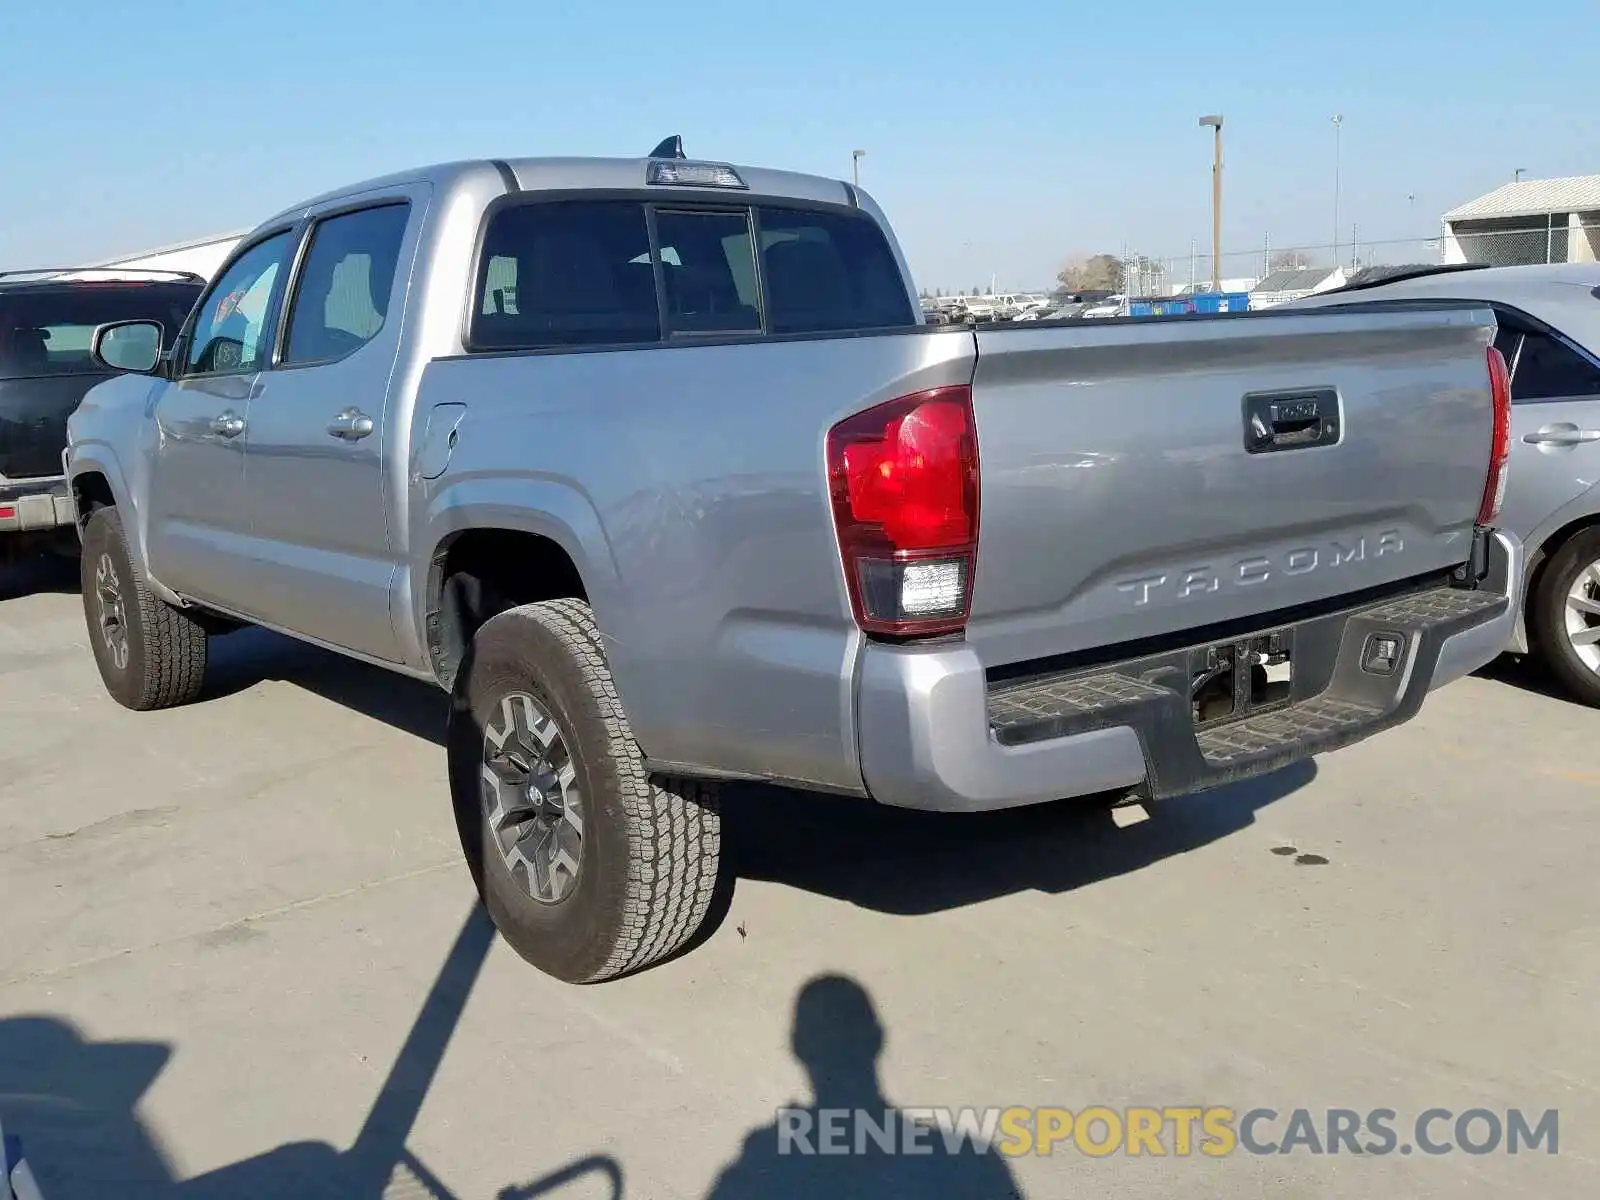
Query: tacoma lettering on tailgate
{"x": 1244, "y": 572}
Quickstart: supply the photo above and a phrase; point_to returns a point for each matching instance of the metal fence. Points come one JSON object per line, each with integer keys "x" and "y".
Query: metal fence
{"x": 1536, "y": 240}
{"x": 1552, "y": 238}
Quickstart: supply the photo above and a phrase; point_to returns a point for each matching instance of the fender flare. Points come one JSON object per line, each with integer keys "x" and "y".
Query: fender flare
{"x": 100, "y": 458}
{"x": 541, "y": 506}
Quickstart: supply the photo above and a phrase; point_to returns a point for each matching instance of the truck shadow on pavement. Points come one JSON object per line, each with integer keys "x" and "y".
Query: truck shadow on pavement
{"x": 893, "y": 860}
{"x": 247, "y": 657}
{"x": 72, "y": 1104}
{"x": 908, "y": 863}
{"x": 1525, "y": 673}
{"x": 25, "y": 571}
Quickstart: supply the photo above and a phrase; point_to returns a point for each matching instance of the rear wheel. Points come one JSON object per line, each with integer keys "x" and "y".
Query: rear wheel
{"x": 1565, "y": 616}
{"x": 150, "y": 654}
{"x": 590, "y": 866}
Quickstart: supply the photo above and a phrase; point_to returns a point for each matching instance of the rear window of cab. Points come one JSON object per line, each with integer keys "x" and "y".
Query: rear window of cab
{"x": 587, "y": 273}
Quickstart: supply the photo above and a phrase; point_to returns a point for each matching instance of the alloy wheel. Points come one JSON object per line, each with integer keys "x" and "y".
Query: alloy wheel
{"x": 1582, "y": 613}
{"x": 531, "y": 798}
{"x": 113, "y": 611}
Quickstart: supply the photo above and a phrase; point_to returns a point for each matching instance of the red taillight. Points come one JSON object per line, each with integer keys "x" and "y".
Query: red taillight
{"x": 904, "y": 480}
{"x": 8, "y": 511}
{"x": 1494, "y": 488}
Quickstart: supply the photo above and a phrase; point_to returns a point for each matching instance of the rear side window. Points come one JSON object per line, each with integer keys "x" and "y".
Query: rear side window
{"x": 46, "y": 331}
{"x": 829, "y": 272}
{"x": 566, "y": 273}
{"x": 1545, "y": 368}
{"x": 342, "y": 297}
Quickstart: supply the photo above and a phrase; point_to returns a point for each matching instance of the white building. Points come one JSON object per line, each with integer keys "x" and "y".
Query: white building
{"x": 1531, "y": 221}
{"x": 1295, "y": 283}
{"x": 1244, "y": 283}
{"x": 203, "y": 256}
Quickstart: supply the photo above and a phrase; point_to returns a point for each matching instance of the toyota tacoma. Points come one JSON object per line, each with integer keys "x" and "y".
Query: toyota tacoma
{"x": 652, "y": 465}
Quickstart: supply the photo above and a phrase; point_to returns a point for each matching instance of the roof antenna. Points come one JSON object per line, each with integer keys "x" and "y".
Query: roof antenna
{"x": 671, "y": 147}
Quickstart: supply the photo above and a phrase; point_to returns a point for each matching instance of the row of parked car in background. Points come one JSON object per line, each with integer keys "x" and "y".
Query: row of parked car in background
{"x": 1020, "y": 306}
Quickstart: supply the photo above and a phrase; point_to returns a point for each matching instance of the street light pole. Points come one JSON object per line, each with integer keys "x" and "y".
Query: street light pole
{"x": 855, "y": 164}
{"x": 1214, "y": 121}
{"x": 1338, "y": 120}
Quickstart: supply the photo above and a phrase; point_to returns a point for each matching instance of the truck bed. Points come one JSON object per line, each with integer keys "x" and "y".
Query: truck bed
{"x": 1118, "y": 500}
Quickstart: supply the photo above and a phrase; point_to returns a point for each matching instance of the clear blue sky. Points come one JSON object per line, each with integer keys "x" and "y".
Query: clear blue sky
{"x": 1001, "y": 137}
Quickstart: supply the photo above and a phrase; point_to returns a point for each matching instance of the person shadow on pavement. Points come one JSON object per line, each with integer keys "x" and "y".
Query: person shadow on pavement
{"x": 72, "y": 1104}
{"x": 838, "y": 1038}
{"x": 70, "y": 1107}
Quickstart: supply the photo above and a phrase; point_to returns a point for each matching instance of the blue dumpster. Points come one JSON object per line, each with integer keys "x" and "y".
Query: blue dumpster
{"x": 1166, "y": 306}
{"x": 1221, "y": 302}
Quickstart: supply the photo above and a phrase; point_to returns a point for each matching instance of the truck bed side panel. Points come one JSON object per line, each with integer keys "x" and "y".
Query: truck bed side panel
{"x": 711, "y": 562}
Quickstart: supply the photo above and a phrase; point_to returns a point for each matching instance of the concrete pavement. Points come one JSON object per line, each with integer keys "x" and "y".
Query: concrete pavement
{"x": 240, "y": 958}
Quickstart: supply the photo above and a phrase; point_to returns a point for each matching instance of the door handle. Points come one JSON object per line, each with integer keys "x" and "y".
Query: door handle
{"x": 227, "y": 423}
{"x": 352, "y": 425}
{"x": 1562, "y": 434}
{"x": 1290, "y": 420}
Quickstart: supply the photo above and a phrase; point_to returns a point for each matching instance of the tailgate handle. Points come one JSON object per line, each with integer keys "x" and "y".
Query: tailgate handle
{"x": 1290, "y": 420}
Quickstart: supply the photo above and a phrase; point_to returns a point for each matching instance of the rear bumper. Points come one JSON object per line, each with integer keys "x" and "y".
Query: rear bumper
{"x": 936, "y": 734}
{"x": 30, "y": 505}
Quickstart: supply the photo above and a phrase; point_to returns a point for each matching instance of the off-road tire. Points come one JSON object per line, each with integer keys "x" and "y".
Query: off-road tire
{"x": 166, "y": 647}
{"x": 1547, "y": 617}
{"x": 651, "y": 845}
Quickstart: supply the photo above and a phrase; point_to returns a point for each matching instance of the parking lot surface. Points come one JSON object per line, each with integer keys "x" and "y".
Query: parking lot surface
{"x": 240, "y": 957}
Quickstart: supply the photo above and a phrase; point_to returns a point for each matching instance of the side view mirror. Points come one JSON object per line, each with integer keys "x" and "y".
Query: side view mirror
{"x": 132, "y": 346}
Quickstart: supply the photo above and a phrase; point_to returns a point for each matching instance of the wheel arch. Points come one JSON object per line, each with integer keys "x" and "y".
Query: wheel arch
{"x": 96, "y": 480}
{"x": 1539, "y": 557}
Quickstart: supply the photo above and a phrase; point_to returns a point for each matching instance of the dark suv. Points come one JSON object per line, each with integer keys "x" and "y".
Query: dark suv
{"x": 47, "y": 319}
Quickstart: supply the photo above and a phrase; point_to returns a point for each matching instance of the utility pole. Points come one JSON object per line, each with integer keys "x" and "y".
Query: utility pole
{"x": 1517, "y": 176}
{"x": 1338, "y": 121}
{"x": 1213, "y": 121}
{"x": 855, "y": 164}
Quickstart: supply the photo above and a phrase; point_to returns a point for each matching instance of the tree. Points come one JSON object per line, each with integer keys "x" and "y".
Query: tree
{"x": 1289, "y": 260}
{"x": 1097, "y": 273}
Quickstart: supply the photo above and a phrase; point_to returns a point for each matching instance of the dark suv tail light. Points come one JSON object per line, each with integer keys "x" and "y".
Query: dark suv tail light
{"x": 1494, "y": 488}
{"x": 904, "y": 482}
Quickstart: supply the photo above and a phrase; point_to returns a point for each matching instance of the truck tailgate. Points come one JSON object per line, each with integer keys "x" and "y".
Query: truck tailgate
{"x": 1127, "y": 493}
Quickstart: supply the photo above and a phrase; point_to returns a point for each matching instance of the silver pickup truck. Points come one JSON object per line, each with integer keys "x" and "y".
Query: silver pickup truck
{"x": 652, "y": 464}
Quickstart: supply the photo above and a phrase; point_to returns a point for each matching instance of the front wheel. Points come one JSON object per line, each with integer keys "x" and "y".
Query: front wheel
{"x": 1565, "y": 616}
{"x": 150, "y": 654}
{"x": 589, "y": 866}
